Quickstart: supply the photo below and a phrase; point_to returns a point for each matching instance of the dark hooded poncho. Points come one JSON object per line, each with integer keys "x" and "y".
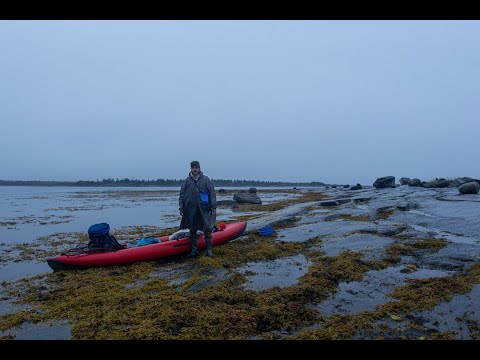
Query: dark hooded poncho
{"x": 189, "y": 200}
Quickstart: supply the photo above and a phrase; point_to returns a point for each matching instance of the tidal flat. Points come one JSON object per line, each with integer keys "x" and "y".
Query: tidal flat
{"x": 342, "y": 264}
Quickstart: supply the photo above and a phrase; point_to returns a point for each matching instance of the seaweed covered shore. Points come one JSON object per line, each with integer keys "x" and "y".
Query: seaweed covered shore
{"x": 341, "y": 265}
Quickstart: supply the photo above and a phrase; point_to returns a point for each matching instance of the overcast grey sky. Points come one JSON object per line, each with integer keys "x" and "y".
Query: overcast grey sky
{"x": 333, "y": 101}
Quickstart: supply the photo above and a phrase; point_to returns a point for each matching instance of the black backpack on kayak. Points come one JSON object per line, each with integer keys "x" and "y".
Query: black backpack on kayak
{"x": 100, "y": 238}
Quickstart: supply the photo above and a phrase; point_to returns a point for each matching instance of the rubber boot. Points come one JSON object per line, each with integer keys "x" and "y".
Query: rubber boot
{"x": 194, "y": 252}
{"x": 208, "y": 242}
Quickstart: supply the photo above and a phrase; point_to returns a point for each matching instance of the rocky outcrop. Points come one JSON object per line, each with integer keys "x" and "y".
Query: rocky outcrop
{"x": 356, "y": 187}
{"x": 384, "y": 182}
{"x": 247, "y": 198}
{"x": 334, "y": 202}
{"x": 437, "y": 183}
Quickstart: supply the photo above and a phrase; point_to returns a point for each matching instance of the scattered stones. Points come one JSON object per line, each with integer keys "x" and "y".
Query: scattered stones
{"x": 437, "y": 183}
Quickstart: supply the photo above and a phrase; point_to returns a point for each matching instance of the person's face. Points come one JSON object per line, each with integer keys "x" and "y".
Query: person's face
{"x": 195, "y": 170}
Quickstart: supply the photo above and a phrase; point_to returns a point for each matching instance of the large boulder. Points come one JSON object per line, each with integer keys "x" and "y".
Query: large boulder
{"x": 247, "y": 198}
{"x": 414, "y": 182}
{"x": 404, "y": 180}
{"x": 385, "y": 182}
{"x": 471, "y": 187}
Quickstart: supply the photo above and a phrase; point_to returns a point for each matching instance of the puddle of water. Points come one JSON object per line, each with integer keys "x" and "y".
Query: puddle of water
{"x": 280, "y": 272}
{"x": 452, "y": 315}
{"x": 19, "y": 270}
{"x": 320, "y": 211}
{"x": 7, "y": 306}
{"x": 338, "y": 228}
{"x": 29, "y": 331}
{"x": 371, "y": 245}
{"x": 446, "y": 235}
{"x": 362, "y": 207}
{"x": 356, "y": 296}
{"x": 421, "y": 213}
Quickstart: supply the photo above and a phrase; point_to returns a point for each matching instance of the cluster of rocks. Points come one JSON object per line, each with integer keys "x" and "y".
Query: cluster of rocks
{"x": 465, "y": 185}
{"x": 353, "y": 187}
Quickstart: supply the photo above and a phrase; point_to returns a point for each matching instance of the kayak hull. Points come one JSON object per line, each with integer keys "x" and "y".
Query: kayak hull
{"x": 164, "y": 249}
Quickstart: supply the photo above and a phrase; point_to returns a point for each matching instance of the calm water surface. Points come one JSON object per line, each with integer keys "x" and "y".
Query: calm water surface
{"x": 27, "y": 213}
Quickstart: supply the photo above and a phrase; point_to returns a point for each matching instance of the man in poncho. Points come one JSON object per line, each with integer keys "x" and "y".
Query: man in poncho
{"x": 198, "y": 204}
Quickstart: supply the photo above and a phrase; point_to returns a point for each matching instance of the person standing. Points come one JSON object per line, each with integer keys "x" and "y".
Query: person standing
{"x": 198, "y": 205}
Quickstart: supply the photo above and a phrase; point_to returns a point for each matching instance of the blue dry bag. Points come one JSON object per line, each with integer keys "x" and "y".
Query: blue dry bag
{"x": 100, "y": 238}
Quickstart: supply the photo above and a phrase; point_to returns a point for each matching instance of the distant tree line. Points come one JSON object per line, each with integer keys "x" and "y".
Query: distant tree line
{"x": 158, "y": 182}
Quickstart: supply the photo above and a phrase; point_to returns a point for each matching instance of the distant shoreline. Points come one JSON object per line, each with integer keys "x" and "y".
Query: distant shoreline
{"x": 152, "y": 183}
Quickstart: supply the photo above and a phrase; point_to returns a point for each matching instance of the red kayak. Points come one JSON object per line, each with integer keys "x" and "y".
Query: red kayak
{"x": 163, "y": 249}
